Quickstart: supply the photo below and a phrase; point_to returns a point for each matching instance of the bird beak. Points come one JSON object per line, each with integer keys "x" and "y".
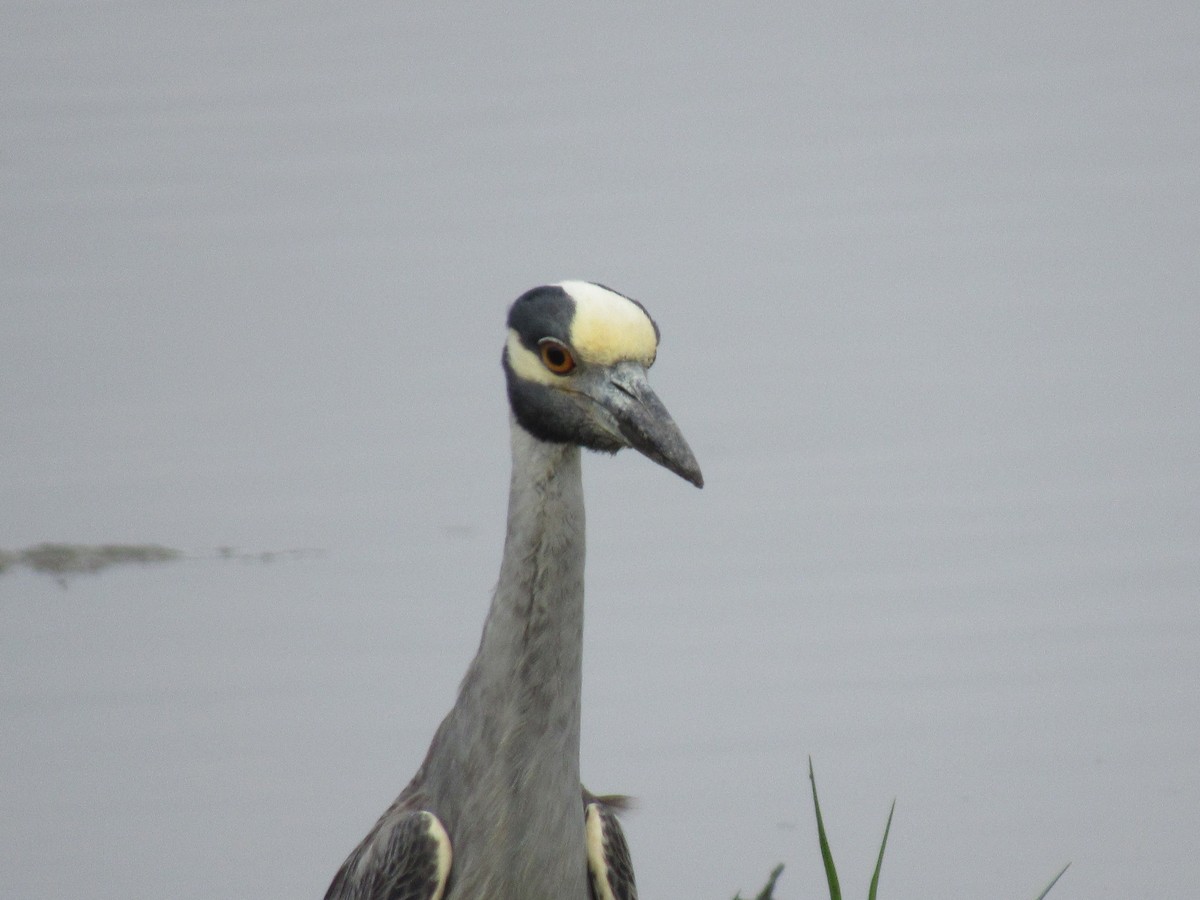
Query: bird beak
{"x": 643, "y": 422}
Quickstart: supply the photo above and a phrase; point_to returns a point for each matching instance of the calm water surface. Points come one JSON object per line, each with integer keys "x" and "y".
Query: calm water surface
{"x": 927, "y": 282}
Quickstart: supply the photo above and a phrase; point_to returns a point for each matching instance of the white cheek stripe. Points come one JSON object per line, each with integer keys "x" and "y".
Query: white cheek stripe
{"x": 527, "y": 364}
{"x": 607, "y": 327}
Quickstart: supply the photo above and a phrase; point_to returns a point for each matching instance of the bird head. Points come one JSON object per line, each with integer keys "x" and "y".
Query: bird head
{"x": 576, "y": 361}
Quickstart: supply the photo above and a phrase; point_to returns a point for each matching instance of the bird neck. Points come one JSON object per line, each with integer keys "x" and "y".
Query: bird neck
{"x": 531, "y": 652}
{"x": 503, "y": 769}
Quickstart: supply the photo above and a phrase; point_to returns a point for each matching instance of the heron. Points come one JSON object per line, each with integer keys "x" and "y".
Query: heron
{"x": 497, "y": 809}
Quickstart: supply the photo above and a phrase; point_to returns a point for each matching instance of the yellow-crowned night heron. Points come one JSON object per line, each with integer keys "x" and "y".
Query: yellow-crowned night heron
{"x": 497, "y": 810}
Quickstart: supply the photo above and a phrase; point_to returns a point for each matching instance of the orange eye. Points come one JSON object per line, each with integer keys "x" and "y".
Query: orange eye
{"x": 556, "y": 356}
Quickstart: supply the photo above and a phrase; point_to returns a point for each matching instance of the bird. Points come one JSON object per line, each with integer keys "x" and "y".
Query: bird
{"x": 497, "y": 809}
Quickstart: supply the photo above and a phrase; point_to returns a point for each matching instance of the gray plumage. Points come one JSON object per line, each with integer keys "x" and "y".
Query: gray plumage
{"x": 497, "y": 809}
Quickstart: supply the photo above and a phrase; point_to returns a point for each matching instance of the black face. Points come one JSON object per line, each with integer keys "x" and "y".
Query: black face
{"x": 558, "y": 416}
{"x": 602, "y": 401}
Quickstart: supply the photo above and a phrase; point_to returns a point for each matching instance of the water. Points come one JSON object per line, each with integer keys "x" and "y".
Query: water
{"x": 927, "y": 281}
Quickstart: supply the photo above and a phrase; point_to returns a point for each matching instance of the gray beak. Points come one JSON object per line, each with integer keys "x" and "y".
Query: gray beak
{"x": 643, "y": 422}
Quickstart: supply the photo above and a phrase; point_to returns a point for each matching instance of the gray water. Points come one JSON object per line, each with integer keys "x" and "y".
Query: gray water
{"x": 927, "y": 280}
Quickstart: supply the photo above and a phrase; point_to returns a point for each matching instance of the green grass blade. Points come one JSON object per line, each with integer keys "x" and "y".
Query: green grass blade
{"x": 883, "y": 846}
{"x": 835, "y": 891}
{"x": 1043, "y": 894}
{"x": 768, "y": 891}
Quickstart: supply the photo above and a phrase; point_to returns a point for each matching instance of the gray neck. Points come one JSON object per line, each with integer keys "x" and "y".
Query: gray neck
{"x": 532, "y": 644}
{"x": 508, "y": 753}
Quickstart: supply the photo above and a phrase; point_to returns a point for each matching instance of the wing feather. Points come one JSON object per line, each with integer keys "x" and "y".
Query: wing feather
{"x": 609, "y": 865}
{"x": 406, "y": 856}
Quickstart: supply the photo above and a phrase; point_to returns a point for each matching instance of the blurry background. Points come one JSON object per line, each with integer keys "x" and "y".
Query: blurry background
{"x": 927, "y": 281}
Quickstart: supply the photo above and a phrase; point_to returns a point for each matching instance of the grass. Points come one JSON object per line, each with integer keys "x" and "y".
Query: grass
{"x": 831, "y": 877}
{"x": 768, "y": 891}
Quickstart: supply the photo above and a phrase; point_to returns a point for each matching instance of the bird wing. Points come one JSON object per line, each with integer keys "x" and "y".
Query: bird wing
{"x": 405, "y": 857}
{"x": 609, "y": 865}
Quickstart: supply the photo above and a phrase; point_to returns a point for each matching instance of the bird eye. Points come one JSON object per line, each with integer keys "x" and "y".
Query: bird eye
{"x": 556, "y": 356}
